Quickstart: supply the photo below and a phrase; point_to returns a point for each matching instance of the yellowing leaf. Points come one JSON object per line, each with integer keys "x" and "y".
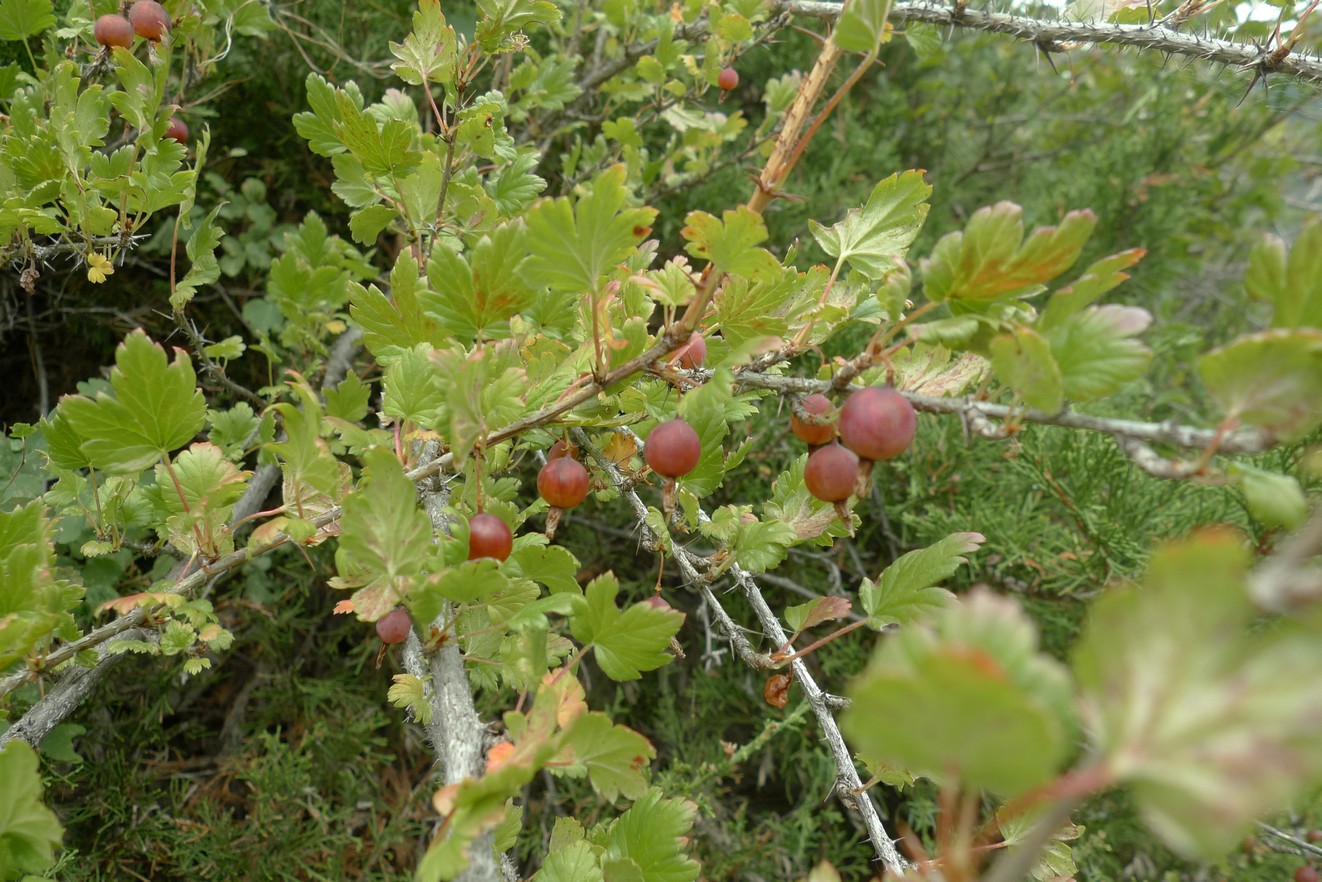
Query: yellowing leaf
{"x": 990, "y": 260}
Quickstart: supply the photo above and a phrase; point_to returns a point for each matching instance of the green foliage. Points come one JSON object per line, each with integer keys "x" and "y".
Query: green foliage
{"x": 29, "y": 832}
{"x": 35, "y": 603}
{"x": 156, "y": 408}
{"x": 872, "y": 239}
{"x": 909, "y": 588}
{"x": 385, "y": 538}
{"x": 546, "y": 199}
{"x": 625, "y": 643}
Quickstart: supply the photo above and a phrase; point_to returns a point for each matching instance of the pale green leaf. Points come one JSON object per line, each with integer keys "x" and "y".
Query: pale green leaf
{"x": 626, "y": 643}
{"x": 1293, "y": 284}
{"x": 409, "y": 693}
{"x": 874, "y": 239}
{"x": 1210, "y": 718}
{"x": 862, "y": 25}
{"x": 1275, "y": 500}
{"x": 909, "y": 587}
{"x": 477, "y": 295}
{"x": 203, "y": 268}
{"x": 428, "y": 53}
{"x": 29, "y": 832}
{"x": 990, "y": 260}
{"x": 156, "y": 408}
{"x": 1023, "y": 361}
{"x": 1095, "y": 350}
{"x": 412, "y": 388}
{"x": 502, "y": 19}
{"x": 575, "y": 862}
{"x": 573, "y": 244}
{"x": 1269, "y": 379}
{"x": 386, "y": 538}
{"x": 614, "y": 756}
{"x": 729, "y": 242}
{"x": 1096, "y": 280}
{"x": 653, "y": 834}
{"x": 20, "y": 19}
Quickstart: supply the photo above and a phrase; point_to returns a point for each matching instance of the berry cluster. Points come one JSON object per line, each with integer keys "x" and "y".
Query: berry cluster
{"x": 146, "y": 18}
{"x": 874, "y": 423}
{"x": 149, "y": 20}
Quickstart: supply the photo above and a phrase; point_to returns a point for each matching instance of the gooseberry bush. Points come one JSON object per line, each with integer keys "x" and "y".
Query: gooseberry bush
{"x": 468, "y": 321}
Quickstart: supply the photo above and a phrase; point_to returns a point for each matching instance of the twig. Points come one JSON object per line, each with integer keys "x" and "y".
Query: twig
{"x": 209, "y": 365}
{"x": 1298, "y": 845}
{"x": 31, "y": 252}
{"x": 1240, "y": 441}
{"x": 1156, "y": 37}
{"x": 455, "y": 731}
{"x": 66, "y": 695}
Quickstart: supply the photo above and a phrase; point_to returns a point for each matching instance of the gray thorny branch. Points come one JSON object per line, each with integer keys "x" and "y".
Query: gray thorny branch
{"x": 458, "y": 737}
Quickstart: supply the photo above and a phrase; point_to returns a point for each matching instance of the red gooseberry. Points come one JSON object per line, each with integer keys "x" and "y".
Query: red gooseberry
{"x": 693, "y": 353}
{"x": 812, "y": 433}
{"x": 489, "y": 536}
{"x": 563, "y": 482}
{"x": 1305, "y": 874}
{"x": 149, "y": 19}
{"x": 113, "y": 30}
{"x": 672, "y": 448}
{"x": 177, "y": 130}
{"x": 394, "y": 626}
{"x": 728, "y": 79}
{"x": 877, "y": 423}
{"x": 830, "y": 473}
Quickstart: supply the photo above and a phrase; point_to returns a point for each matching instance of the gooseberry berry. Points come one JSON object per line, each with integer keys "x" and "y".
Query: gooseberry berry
{"x": 113, "y": 30}
{"x": 149, "y": 19}
{"x": 728, "y": 79}
{"x": 177, "y": 130}
{"x": 489, "y": 536}
{"x": 693, "y": 353}
{"x": 563, "y": 482}
{"x": 830, "y": 473}
{"x": 672, "y": 448}
{"x": 394, "y": 626}
{"x": 812, "y": 433}
{"x": 877, "y": 423}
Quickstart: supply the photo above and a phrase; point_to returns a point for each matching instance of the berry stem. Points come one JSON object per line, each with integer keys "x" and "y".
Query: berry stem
{"x": 840, "y": 632}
